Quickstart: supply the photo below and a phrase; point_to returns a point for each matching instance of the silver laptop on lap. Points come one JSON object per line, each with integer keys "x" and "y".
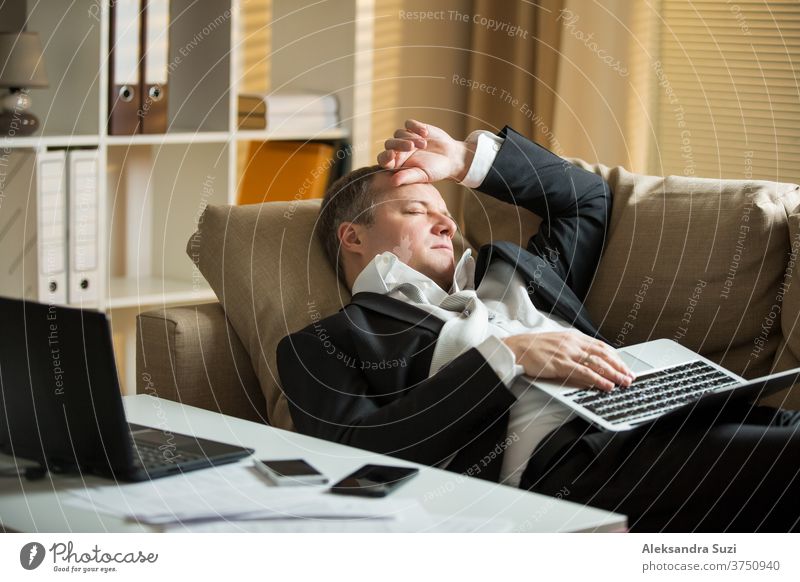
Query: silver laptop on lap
{"x": 671, "y": 379}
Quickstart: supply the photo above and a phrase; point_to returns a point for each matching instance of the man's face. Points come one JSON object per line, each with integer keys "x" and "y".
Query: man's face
{"x": 412, "y": 221}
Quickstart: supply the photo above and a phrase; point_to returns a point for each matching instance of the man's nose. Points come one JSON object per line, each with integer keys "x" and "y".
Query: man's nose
{"x": 444, "y": 225}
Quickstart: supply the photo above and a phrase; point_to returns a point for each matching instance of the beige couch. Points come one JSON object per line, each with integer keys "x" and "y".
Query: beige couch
{"x": 708, "y": 263}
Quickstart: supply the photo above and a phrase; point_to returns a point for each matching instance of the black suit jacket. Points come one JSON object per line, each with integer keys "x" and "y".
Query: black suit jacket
{"x": 360, "y": 377}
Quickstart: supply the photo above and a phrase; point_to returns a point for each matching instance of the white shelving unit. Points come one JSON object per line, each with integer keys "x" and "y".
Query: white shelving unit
{"x": 154, "y": 187}
{"x": 155, "y": 291}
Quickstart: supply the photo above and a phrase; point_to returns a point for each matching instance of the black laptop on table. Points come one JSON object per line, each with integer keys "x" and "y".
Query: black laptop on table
{"x": 60, "y": 401}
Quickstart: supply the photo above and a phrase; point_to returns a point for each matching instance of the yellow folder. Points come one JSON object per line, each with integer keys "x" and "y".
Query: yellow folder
{"x": 285, "y": 170}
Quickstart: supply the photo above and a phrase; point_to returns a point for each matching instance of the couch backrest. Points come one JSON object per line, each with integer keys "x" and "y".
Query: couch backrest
{"x": 698, "y": 261}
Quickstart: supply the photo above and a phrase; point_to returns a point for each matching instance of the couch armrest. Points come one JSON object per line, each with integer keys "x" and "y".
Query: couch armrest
{"x": 191, "y": 354}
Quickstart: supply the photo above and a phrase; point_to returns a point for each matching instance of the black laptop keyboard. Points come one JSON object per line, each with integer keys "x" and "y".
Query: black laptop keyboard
{"x": 653, "y": 394}
{"x": 150, "y": 456}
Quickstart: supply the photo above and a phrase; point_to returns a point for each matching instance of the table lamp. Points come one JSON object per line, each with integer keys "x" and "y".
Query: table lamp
{"x": 21, "y": 68}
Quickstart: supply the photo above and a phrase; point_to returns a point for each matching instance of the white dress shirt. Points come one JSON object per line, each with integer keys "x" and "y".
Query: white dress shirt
{"x": 501, "y": 307}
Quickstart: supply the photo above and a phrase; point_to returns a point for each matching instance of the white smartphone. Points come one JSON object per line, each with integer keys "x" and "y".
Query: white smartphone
{"x": 290, "y": 472}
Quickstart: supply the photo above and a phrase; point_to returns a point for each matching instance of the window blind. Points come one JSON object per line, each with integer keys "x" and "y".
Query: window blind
{"x": 727, "y": 96}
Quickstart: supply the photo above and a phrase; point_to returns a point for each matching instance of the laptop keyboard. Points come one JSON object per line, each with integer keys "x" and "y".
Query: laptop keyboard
{"x": 150, "y": 456}
{"x": 653, "y": 394}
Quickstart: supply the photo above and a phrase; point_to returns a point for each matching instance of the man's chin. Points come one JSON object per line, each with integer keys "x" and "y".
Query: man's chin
{"x": 443, "y": 277}
{"x": 439, "y": 266}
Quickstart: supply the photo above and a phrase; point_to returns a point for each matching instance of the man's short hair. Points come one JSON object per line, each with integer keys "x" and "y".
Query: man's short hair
{"x": 351, "y": 198}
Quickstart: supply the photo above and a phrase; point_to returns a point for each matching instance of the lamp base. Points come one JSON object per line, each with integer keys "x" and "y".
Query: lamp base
{"x": 18, "y": 123}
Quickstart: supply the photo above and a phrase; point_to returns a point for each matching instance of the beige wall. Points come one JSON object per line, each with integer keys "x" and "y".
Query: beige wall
{"x": 413, "y": 71}
{"x": 256, "y": 15}
{"x": 599, "y": 114}
{"x": 594, "y": 81}
{"x": 12, "y": 16}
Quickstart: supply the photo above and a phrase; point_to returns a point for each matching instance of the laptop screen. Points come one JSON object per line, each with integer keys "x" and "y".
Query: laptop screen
{"x": 60, "y": 402}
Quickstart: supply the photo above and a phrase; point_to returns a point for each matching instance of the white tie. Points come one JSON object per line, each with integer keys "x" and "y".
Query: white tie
{"x": 412, "y": 292}
{"x": 459, "y": 333}
{"x": 461, "y": 301}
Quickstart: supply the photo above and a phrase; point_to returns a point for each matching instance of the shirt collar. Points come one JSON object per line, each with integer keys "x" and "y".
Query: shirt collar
{"x": 386, "y": 271}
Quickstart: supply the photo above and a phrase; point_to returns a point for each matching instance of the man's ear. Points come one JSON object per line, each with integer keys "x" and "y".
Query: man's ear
{"x": 349, "y": 234}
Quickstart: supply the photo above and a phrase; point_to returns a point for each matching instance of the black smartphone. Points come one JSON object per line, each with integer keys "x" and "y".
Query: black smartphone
{"x": 374, "y": 480}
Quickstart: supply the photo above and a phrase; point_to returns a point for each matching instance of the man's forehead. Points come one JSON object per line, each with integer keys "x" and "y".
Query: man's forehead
{"x": 423, "y": 193}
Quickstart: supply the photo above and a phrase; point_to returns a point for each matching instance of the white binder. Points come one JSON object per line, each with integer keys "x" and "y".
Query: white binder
{"x": 51, "y": 202}
{"x": 124, "y": 99}
{"x": 155, "y": 57}
{"x": 84, "y": 228}
{"x": 18, "y": 262}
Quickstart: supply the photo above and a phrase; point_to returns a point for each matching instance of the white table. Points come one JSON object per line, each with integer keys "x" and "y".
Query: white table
{"x": 38, "y": 506}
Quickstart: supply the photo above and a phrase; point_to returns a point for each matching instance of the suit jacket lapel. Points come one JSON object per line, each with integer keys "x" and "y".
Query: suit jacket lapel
{"x": 399, "y": 310}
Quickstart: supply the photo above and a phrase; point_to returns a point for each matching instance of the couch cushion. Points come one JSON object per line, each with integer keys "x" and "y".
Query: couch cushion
{"x": 788, "y": 355}
{"x": 190, "y": 354}
{"x": 271, "y": 276}
{"x": 700, "y": 261}
{"x": 487, "y": 219}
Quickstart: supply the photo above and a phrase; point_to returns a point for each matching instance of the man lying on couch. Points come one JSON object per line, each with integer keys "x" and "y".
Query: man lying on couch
{"x": 423, "y": 363}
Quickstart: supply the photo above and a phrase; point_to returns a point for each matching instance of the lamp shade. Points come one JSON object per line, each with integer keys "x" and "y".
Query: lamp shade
{"x": 21, "y": 62}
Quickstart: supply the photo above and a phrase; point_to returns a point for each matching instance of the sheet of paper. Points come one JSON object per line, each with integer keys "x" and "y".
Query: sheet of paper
{"x": 425, "y": 524}
{"x": 228, "y": 492}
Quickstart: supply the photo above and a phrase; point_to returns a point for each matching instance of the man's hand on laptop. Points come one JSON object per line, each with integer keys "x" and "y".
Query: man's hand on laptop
{"x": 572, "y": 356}
{"x": 423, "y": 153}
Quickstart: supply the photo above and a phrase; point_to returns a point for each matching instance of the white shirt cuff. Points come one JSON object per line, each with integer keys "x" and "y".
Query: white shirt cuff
{"x": 488, "y": 144}
{"x": 500, "y": 357}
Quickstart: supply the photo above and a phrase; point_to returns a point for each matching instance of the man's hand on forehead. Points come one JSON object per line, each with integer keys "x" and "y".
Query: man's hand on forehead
{"x": 421, "y": 153}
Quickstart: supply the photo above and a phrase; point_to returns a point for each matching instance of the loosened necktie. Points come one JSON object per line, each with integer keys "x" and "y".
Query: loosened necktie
{"x": 462, "y": 301}
{"x": 457, "y": 334}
